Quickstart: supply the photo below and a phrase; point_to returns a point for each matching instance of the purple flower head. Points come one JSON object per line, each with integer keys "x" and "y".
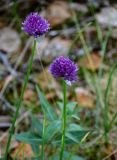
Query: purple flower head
{"x": 63, "y": 67}
{"x": 35, "y": 25}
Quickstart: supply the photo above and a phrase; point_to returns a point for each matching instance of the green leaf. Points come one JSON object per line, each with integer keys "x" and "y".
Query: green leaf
{"x": 70, "y": 106}
{"x": 35, "y": 148}
{"x": 36, "y": 126}
{"x": 74, "y": 127}
{"x": 75, "y": 136}
{"x": 66, "y": 156}
{"x": 71, "y": 137}
{"x": 53, "y": 128}
{"x": 75, "y": 117}
{"x": 60, "y": 105}
{"x": 47, "y": 108}
{"x": 76, "y": 158}
{"x": 28, "y": 137}
{"x": 36, "y": 158}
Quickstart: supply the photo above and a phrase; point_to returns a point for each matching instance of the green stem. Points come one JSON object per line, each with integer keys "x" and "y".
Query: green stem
{"x": 106, "y": 108}
{"x": 43, "y": 137}
{"x": 19, "y": 103}
{"x": 112, "y": 121}
{"x": 64, "y": 119}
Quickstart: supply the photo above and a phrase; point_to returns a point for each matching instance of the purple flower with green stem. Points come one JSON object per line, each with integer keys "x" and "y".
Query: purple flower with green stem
{"x": 36, "y": 26}
{"x": 63, "y": 67}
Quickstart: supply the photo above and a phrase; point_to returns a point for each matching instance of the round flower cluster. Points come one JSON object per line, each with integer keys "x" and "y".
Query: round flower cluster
{"x": 35, "y": 25}
{"x": 63, "y": 67}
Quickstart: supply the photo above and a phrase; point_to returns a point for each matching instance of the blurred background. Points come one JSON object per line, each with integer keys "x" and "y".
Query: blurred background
{"x": 86, "y": 31}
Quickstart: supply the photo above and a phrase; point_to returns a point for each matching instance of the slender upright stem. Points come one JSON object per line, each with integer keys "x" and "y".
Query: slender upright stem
{"x": 43, "y": 138}
{"x": 64, "y": 119}
{"x": 106, "y": 107}
{"x": 19, "y": 103}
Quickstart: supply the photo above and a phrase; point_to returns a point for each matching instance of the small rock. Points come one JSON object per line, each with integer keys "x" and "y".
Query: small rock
{"x": 9, "y": 40}
{"x": 58, "y": 12}
{"x": 107, "y": 17}
{"x": 79, "y": 7}
{"x": 57, "y": 46}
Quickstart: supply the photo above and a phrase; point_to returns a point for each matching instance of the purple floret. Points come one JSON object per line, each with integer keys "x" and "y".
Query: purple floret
{"x": 63, "y": 67}
{"x": 35, "y": 25}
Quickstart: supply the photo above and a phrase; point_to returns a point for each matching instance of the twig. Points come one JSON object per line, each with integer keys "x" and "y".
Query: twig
{"x": 22, "y": 54}
{"x": 24, "y": 115}
{"x": 7, "y": 103}
{"x": 7, "y": 64}
{"x": 115, "y": 151}
{"x": 6, "y": 83}
{"x": 12, "y": 76}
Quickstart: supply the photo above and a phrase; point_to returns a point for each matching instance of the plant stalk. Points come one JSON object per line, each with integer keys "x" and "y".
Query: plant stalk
{"x": 106, "y": 108}
{"x": 64, "y": 119}
{"x": 19, "y": 103}
{"x": 43, "y": 139}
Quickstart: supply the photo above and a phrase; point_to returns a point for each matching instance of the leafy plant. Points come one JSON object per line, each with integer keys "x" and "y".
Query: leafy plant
{"x": 53, "y": 127}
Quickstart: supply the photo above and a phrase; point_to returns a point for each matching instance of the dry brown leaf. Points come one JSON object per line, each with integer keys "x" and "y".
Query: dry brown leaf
{"x": 29, "y": 96}
{"x": 22, "y": 151}
{"x": 84, "y": 98}
{"x": 50, "y": 95}
{"x": 58, "y": 12}
{"x": 91, "y": 63}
